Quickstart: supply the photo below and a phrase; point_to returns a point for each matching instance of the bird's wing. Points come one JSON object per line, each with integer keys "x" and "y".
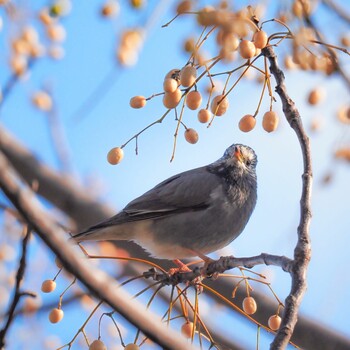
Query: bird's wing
{"x": 188, "y": 191}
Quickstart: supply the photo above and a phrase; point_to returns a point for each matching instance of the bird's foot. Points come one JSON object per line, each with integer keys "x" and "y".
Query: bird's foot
{"x": 181, "y": 267}
{"x": 207, "y": 262}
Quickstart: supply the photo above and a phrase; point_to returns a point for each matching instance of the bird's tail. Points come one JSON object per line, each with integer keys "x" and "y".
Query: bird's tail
{"x": 106, "y": 230}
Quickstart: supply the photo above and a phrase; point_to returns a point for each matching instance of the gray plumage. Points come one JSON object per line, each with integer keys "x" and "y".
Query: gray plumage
{"x": 190, "y": 214}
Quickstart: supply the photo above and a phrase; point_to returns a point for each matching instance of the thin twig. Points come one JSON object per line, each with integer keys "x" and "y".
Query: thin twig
{"x": 17, "y": 293}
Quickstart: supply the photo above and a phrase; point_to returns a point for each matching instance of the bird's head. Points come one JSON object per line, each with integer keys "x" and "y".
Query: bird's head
{"x": 238, "y": 161}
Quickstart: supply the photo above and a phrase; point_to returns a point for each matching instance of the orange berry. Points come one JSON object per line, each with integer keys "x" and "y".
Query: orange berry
{"x": 301, "y": 8}
{"x": 132, "y": 346}
{"x": 110, "y": 9}
{"x": 187, "y": 329}
{"x": 136, "y": 3}
{"x": 274, "y": 322}
{"x": 191, "y": 136}
{"x": 249, "y": 305}
{"x": 42, "y": 100}
{"x": 247, "y": 49}
{"x": 193, "y": 100}
{"x": 48, "y": 286}
{"x": 270, "y": 121}
{"x": 18, "y": 64}
{"x": 97, "y": 345}
{"x": 170, "y": 85}
{"x": 115, "y": 155}
{"x": 188, "y": 76}
{"x": 315, "y": 96}
{"x": 204, "y": 115}
{"x": 56, "y": 315}
{"x": 219, "y": 105}
{"x": 172, "y": 99}
{"x": 247, "y": 123}
{"x": 260, "y": 39}
{"x": 173, "y": 73}
{"x": 184, "y": 6}
{"x": 138, "y": 102}
{"x": 56, "y": 32}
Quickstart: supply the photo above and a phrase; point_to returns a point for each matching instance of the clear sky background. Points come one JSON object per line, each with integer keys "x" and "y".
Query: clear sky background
{"x": 90, "y": 57}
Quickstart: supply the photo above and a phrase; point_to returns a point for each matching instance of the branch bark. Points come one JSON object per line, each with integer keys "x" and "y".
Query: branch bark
{"x": 302, "y": 252}
{"x": 97, "y": 282}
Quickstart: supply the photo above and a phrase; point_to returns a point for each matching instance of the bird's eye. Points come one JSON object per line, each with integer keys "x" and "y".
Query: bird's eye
{"x": 248, "y": 162}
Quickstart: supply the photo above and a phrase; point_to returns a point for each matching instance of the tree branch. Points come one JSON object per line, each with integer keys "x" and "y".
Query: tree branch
{"x": 302, "y": 252}
{"x": 219, "y": 266}
{"x": 308, "y": 334}
{"x": 17, "y": 293}
{"x": 98, "y": 283}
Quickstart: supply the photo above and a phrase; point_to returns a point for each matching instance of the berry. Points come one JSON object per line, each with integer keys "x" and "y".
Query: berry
{"x": 138, "y": 101}
{"x": 170, "y": 85}
{"x": 172, "y": 99}
{"x": 274, "y": 322}
{"x": 42, "y": 100}
{"x": 249, "y": 305}
{"x": 132, "y": 346}
{"x": 188, "y": 76}
{"x": 48, "y": 286}
{"x": 56, "y": 315}
{"x": 247, "y": 123}
{"x": 270, "y": 121}
{"x": 219, "y": 105}
{"x": 184, "y": 6}
{"x": 247, "y": 49}
{"x": 97, "y": 345}
{"x": 187, "y": 329}
{"x": 56, "y": 32}
{"x": 260, "y": 39}
{"x": 315, "y": 96}
{"x": 204, "y": 115}
{"x": 191, "y": 136}
{"x": 115, "y": 155}
{"x": 193, "y": 100}
{"x": 110, "y": 9}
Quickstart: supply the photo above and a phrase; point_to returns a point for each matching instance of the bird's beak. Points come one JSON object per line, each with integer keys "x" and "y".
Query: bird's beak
{"x": 238, "y": 154}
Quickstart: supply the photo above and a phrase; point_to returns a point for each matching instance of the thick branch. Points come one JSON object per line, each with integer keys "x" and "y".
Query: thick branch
{"x": 221, "y": 265}
{"x": 302, "y": 252}
{"x": 99, "y": 283}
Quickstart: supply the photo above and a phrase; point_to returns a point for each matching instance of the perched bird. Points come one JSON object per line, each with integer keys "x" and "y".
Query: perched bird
{"x": 190, "y": 214}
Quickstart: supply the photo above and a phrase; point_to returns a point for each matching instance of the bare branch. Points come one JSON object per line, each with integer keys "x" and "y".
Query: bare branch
{"x": 100, "y": 284}
{"x": 219, "y": 266}
{"x": 338, "y": 10}
{"x": 17, "y": 293}
{"x": 302, "y": 252}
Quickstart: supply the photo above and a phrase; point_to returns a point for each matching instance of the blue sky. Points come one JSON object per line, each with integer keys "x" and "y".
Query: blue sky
{"x": 90, "y": 48}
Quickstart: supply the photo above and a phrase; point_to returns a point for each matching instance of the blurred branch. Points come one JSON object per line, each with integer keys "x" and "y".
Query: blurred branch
{"x": 101, "y": 285}
{"x": 17, "y": 293}
{"x": 12, "y": 81}
{"x": 337, "y": 66}
{"x": 61, "y": 190}
{"x": 308, "y": 334}
{"x": 338, "y": 10}
{"x": 302, "y": 252}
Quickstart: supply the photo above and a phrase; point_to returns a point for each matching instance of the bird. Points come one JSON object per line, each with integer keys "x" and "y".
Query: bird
{"x": 191, "y": 214}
